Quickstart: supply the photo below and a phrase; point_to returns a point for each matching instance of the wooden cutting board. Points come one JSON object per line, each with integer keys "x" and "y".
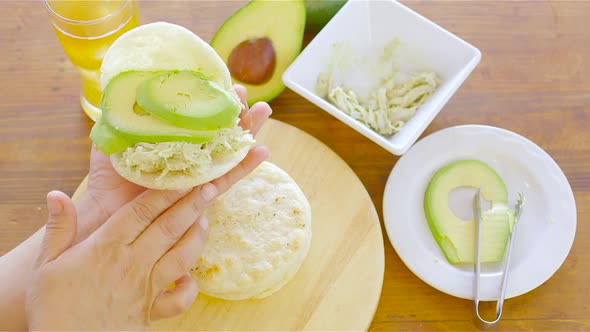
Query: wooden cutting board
{"x": 339, "y": 284}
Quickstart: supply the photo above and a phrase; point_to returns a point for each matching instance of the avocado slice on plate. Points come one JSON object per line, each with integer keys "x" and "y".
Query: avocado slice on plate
{"x": 258, "y": 42}
{"x": 130, "y": 122}
{"x": 188, "y": 99}
{"x": 456, "y": 237}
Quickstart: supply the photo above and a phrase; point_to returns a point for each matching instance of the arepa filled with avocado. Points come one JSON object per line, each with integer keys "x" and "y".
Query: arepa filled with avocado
{"x": 169, "y": 111}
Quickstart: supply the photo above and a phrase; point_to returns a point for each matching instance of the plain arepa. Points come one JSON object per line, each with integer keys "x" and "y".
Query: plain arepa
{"x": 259, "y": 236}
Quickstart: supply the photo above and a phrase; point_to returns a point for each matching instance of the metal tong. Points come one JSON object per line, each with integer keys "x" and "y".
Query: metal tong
{"x": 478, "y": 201}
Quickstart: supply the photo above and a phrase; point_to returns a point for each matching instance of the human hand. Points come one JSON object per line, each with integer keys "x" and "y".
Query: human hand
{"x": 89, "y": 277}
{"x": 107, "y": 191}
{"x": 117, "y": 278}
{"x": 113, "y": 279}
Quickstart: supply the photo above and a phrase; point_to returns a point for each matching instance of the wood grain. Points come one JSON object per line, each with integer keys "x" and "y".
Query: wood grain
{"x": 534, "y": 79}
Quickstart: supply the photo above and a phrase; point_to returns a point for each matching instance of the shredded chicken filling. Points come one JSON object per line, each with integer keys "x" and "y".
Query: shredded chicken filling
{"x": 185, "y": 157}
{"x": 388, "y": 108}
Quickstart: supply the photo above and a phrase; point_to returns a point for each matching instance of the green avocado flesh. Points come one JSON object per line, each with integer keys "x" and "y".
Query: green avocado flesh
{"x": 457, "y": 237}
{"x": 188, "y": 99}
{"x": 134, "y": 124}
{"x": 107, "y": 140}
{"x": 281, "y": 22}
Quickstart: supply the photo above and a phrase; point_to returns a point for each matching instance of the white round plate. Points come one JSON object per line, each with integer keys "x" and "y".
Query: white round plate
{"x": 546, "y": 228}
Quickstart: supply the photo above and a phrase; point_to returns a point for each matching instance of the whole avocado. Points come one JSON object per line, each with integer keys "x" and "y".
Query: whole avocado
{"x": 319, "y": 12}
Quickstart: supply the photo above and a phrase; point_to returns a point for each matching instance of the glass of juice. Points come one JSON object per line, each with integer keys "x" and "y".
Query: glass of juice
{"x": 86, "y": 30}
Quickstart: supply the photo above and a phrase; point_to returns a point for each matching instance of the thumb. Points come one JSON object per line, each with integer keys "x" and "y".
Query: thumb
{"x": 60, "y": 230}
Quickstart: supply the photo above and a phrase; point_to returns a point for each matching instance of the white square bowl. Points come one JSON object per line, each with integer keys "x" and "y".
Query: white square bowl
{"x": 360, "y": 30}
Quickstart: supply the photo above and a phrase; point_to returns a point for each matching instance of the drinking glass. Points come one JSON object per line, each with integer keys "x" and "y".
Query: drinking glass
{"x": 86, "y": 30}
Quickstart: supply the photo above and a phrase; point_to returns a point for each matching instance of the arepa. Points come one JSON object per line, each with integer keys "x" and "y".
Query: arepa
{"x": 259, "y": 236}
{"x": 174, "y": 164}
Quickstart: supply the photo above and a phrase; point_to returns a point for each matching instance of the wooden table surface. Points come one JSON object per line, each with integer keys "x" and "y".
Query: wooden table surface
{"x": 534, "y": 79}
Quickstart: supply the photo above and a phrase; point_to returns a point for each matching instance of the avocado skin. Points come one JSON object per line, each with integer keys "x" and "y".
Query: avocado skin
{"x": 320, "y": 12}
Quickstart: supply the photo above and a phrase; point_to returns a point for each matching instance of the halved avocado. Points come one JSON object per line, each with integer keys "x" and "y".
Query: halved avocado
{"x": 258, "y": 42}
{"x": 188, "y": 99}
{"x": 131, "y": 123}
{"x": 457, "y": 237}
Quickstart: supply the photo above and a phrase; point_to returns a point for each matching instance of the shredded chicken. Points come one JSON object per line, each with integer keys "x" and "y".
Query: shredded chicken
{"x": 179, "y": 156}
{"x": 389, "y": 107}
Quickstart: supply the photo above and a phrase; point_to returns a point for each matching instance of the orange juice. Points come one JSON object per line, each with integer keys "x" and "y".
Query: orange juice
{"x": 86, "y": 29}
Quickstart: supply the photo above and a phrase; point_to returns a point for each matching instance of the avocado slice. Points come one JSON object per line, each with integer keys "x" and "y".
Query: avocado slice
{"x": 457, "y": 237}
{"x": 107, "y": 140}
{"x": 132, "y": 123}
{"x": 188, "y": 99}
{"x": 258, "y": 42}
{"x": 320, "y": 12}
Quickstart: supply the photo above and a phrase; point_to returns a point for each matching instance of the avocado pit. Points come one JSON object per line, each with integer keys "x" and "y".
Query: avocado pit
{"x": 253, "y": 61}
